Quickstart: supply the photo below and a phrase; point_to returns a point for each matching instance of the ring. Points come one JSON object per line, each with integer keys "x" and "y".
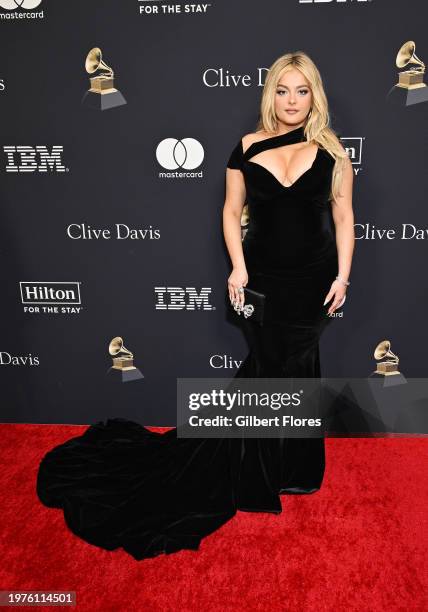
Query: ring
{"x": 240, "y": 290}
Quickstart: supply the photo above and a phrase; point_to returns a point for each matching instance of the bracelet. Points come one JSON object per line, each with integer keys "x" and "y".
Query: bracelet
{"x": 342, "y": 281}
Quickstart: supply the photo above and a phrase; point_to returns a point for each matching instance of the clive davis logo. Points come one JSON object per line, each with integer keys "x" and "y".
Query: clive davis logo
{"x": 22, "y": 158}
{"x": 177, "y": 298}
{"x": 51, "y": 297}
{"x": 23, "y": 5}
{"x": 173, "y": 154}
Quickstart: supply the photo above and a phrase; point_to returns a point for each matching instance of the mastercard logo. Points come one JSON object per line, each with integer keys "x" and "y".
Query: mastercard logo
{"x": 172, "y": 153}
{"x": 10, "y": 5}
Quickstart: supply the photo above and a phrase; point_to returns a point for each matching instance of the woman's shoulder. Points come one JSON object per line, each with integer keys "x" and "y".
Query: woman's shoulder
{"x": 252, "y": 137}
{"x": 236, "y": 156}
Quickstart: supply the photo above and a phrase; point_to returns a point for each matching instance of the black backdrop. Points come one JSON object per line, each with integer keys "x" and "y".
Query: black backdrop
{"x": 53, "y": 365}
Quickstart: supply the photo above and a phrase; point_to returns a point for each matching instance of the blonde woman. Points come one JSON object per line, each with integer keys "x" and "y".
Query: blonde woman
{"x": 294, "y": 175}
{"x": 121, "y": 485}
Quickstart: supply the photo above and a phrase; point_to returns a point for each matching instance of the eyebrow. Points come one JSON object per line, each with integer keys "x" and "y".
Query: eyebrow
{"x": 281, "y": 85}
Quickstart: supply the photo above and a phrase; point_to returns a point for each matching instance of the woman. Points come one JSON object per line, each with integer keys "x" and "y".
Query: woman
{"x": 122, "y": 485}
{"x": 288, "y": 172}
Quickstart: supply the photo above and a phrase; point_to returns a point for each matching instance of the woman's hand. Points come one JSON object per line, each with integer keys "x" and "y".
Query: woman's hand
{"x": 338, "y": 292}
{"x": 238, "y": 278}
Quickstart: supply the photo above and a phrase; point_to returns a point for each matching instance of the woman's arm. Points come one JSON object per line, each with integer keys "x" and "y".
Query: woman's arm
{"x": 232, "y": 211}
{"x": 343, "y": 217}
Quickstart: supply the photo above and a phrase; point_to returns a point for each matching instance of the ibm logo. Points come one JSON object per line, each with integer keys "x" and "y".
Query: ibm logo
{"x": 177, "y": 298}
{"x": 23, "y": 158}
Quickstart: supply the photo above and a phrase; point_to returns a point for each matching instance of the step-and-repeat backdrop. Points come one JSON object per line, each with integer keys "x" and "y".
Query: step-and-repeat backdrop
{"x": 111, "y": 199}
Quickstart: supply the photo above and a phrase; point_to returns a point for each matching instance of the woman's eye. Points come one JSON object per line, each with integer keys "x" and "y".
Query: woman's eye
{"x": 301, "y": 91}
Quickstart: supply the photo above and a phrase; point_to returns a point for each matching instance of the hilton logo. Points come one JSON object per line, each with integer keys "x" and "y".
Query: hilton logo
{"x": 177, "y": 298}
{"x": 354, "y": 147}
{"x": 50, "y": 297}
{"x": 23, "y": 158}
{"x": 152, "y": 7}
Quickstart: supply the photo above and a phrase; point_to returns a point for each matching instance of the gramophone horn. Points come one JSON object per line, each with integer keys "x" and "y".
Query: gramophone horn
{"x": 407, "y": 55}
{"x": 382, "y": 350}
{"x": 94, "y": 62}
{"x": 117, "y": 349}
{"x": 245, "y": 216}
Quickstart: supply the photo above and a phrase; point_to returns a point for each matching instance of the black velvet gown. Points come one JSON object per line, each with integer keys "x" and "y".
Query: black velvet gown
{"x": 122, "y": 485}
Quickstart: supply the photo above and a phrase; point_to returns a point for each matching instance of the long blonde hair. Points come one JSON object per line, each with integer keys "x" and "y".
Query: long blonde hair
{"x": 317, "y": 128}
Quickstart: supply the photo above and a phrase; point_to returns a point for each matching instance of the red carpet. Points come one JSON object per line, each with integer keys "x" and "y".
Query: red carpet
{"x": 358, "y": 544}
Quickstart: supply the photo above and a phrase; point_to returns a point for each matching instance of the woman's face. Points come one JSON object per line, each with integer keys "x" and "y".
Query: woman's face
{"x": 293, "y": 98}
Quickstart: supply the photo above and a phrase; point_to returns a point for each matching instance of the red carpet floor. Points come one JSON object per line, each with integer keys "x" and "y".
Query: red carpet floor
{"x": 358, "y": 544}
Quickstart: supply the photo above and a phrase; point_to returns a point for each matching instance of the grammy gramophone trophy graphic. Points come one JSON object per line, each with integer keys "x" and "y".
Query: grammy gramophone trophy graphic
{"x": 102, "y": 94}
{"x": 123, "y": 369}
{"x": 245, "y": 220}
{"x": 388, "y": 367}
{"x": 410, "y": 88}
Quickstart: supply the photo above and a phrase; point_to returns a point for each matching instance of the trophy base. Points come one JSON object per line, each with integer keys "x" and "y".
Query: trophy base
{"x": 103, "y": 101}
{"x": 401, "y": 96}
{"x": 390, "y": 379}
{"x": 124, "y": 374}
